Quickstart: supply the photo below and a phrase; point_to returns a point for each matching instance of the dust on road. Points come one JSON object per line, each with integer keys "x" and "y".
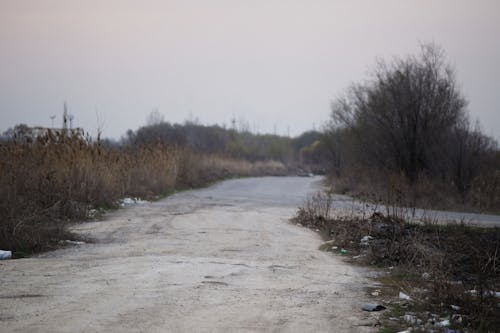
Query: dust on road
{"x": 223, "y": 258}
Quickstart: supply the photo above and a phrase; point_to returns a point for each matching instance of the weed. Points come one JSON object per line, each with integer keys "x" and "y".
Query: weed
{"x": 57, "y": 178}
{"x": 439, "y": 265}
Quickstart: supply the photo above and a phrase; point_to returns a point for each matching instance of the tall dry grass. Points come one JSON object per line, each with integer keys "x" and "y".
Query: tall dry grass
{"x": 56, "y": 179}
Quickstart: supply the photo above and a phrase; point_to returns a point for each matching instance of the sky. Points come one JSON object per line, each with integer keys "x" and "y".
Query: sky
{"x": 274, "y": 65}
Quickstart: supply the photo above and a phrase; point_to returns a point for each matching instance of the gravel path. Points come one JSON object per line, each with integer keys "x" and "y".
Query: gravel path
{"x": 223, "y": 258}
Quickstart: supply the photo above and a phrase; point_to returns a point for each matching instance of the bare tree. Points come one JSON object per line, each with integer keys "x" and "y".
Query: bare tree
{"x": 155, "y": 118}
{"x": 402, "y": 116}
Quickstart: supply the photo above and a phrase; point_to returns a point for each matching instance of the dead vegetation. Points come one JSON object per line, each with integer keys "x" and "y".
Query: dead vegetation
{"x": 405, "y": 136}
{"x": 55, "y": 179}
{"x": 449, "y": 271}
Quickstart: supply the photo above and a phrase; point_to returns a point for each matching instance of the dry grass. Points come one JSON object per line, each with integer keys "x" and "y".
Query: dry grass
{"x": 393, "y": 189}
{"x": 437, "y": 265}
{"x": 57, "y": 179}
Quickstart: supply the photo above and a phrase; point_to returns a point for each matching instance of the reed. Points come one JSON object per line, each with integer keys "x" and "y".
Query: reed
{"x": 57, "y": 179}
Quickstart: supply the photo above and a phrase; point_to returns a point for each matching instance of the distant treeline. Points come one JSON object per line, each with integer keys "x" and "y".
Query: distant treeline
{"x": 302, "y": 150}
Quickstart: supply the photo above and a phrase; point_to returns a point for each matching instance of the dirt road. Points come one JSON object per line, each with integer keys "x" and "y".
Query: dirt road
{"x": 223, "y": 258}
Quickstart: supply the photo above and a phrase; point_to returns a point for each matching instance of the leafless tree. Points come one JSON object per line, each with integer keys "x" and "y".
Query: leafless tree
{"x": 155, "y": 118}
{"x": 402, "y": 116}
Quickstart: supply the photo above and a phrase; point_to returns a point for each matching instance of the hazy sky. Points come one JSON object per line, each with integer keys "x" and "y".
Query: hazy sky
{"x": 272, "y": 63}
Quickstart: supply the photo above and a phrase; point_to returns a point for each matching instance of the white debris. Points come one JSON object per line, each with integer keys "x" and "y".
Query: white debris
{"x": 410, "y": 319}
{"x": 485, "y": 293}
{"x": 373, "y": 307}
{"x": 366, "y": 240}
{"x": 402, "y": 295}
{"x": 131, "y": 201}
{"x": 91, "y": 213}
{"x": 426, "y": 276}
{"x": 72, "y": 242}
{"x": 443, "y": 323}
{"x": 5, "y": 254}
{"x": 455, "y": 307}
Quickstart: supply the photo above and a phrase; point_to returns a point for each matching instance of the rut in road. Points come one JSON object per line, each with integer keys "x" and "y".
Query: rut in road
{"x": 223, "y": 258}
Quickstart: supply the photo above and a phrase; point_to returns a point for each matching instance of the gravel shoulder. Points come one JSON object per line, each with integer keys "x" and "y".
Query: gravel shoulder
{"x": 223, "y": 258}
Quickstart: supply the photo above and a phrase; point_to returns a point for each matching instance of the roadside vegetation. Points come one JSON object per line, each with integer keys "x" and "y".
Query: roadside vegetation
{"x": 236, "y": 142}
{"x": 449, "y": 275}
{"x": 405, "y": 137}
{"x": 49, "y": 180}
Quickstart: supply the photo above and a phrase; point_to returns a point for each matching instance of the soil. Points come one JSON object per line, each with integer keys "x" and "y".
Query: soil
{"x": 224, "y": 258}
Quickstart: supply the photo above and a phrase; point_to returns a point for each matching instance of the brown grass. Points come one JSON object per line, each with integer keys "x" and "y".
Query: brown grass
{"x": 57, "y": 179}
{"x": 394, "y": 189}
{"x": 437, "y": 265}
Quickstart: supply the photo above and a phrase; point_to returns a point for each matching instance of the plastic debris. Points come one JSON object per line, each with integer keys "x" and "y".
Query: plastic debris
{"x": 131, "y": 201}
{"x": 402, "y": 295}
{"x": 455, "y": 307}
{"x": 366, "y": 239}
{"x": 443, "y": 323}
{"x": 485, "y": 293}
{"x": 71, "y": 242}
{"x": 373, "y": 307}
{"x": 343, "y": 251}
{"x": 5, "y": 254}
{"x": 412, "y": 319}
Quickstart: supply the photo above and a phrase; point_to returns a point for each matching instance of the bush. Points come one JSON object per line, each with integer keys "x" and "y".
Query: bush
{"x": 410, "y": 119}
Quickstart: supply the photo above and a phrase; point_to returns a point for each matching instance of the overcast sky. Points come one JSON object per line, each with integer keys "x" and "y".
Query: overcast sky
{"x": 276, "y": 64}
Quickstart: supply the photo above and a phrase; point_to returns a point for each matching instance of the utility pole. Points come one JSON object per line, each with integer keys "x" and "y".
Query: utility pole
{"x": 65, "y": 116}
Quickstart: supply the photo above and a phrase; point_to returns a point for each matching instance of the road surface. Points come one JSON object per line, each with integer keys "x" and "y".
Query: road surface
{"x": 347, "y": 206}
{"x": 224, "y": 258}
